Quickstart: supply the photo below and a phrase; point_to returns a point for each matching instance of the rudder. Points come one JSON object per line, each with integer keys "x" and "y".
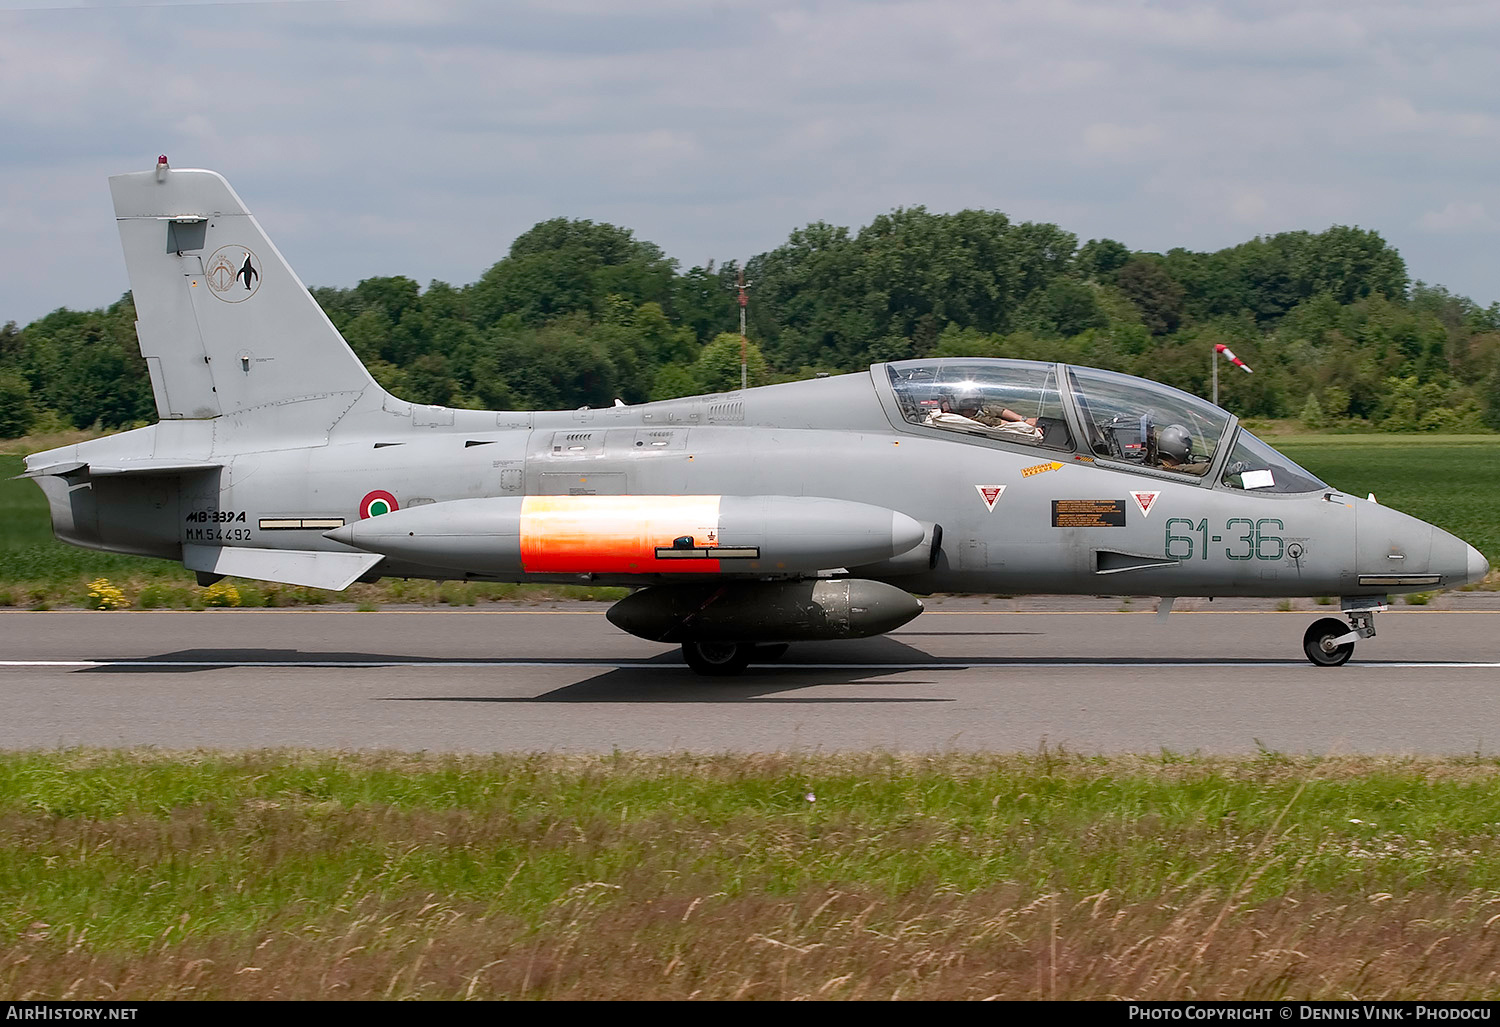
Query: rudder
{"x": 224, "y": 323}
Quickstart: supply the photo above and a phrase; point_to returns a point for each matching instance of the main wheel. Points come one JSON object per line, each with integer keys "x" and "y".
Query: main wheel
{"x": 717, "y": 659}
{"x": 1317, "y": 643}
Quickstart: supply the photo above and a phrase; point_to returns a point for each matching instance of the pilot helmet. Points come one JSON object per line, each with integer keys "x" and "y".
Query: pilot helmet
{"x": 1175, "y": 442}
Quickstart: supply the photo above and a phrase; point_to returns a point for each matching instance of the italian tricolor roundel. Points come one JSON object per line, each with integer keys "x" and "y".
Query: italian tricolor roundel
{"x": 376, "y": 503}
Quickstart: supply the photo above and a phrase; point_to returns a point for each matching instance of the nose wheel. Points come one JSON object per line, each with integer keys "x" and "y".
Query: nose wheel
{"x": 1330, "y": 642}
{"x": 1321, "y": 644}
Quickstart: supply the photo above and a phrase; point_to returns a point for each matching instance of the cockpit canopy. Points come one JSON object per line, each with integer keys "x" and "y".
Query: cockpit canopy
{"x": 1138, "y": 421}
{"x": 1116, "y": 417}
{"x": 1015, "y": 400}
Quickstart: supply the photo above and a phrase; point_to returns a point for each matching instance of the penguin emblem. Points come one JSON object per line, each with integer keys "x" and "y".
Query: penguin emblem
{"x": 229, "y": 268}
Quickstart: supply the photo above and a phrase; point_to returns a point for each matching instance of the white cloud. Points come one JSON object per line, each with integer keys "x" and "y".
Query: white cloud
{"x": 1122, "y": 142}
{"x": 1458, "y": 216}
{"x": 1249, "y": 207}
{"x": 413, "y": 138}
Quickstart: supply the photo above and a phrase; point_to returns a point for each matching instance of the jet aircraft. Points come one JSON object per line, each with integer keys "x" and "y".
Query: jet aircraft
{"x": 743, "y": 520}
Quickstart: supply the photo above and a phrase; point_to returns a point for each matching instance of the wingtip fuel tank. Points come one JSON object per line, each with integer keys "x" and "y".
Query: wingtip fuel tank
{"x": 759, "y": 536}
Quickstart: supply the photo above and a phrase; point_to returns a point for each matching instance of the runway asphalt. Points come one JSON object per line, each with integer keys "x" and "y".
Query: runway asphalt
{"x": 961, "y": 677}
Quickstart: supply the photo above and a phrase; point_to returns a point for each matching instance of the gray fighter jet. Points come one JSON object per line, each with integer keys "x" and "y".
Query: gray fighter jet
{"x": 744, "y": 520}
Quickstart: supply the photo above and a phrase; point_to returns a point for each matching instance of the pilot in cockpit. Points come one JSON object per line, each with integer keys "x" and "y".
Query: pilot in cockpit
{"x": 1174, "y": 450}
{"x": 968, "y": 409}
{"x": 994, "y": 415}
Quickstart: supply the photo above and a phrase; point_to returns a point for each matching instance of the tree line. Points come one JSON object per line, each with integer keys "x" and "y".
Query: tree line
{"x": 579, "y": 313}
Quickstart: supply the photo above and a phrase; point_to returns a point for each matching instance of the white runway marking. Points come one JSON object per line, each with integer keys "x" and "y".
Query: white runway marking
{"x": 643, "y": 664}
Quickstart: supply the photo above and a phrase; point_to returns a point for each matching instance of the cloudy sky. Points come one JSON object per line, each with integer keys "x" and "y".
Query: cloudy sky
{"x": 380, "y": 137}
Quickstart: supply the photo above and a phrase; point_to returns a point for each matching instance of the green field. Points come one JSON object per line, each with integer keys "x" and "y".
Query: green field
{"x": 295, "y": 875}
{"x": 1452, "y": 481}
{"x": 30, "y": 556}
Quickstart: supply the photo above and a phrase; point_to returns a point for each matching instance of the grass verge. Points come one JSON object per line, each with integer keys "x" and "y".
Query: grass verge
{"x": 296, "y": 875}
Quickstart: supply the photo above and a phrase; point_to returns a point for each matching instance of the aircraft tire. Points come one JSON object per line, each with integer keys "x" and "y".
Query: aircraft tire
{"x": 717, "y": 659}
{"x": 1312, "y": 643}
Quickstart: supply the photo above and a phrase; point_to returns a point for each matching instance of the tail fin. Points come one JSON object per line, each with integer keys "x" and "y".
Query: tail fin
{"x": 224, "y": 324}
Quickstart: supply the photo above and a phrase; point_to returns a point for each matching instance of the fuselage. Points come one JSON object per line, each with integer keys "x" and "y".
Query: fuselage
{"x": 1060, "y": 511}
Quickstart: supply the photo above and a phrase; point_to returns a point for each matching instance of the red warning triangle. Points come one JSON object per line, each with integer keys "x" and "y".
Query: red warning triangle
{"x": 1145, "y": 500}
{"x": 990, "y": 493}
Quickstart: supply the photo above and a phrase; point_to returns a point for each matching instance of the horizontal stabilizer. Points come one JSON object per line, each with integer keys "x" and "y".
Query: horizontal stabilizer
{"x": 135, "y": 468}
{"x": 146, "y": 468}
{"x": 53, "y": 470}
{"x": 336, "y": 571}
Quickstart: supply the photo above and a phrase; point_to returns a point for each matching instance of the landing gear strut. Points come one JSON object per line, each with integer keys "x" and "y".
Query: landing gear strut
{"x": 1329, "y": 643}
{"x": 718, "y": 659}
{"x": 725, "y": 659}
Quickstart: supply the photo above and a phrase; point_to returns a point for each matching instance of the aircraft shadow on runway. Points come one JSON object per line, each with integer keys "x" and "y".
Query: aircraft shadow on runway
{"x": 196, "y": 660}
{"x": 663, "y": 680}
{"x": 848, "y": 660}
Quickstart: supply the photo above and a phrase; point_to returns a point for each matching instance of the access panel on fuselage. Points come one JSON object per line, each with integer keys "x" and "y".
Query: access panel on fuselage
{"x": 586, "y": 461}
{"x": 287, "y": 499}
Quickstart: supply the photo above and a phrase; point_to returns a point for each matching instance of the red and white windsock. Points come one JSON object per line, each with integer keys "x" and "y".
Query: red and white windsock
{"x": 1219, "y": 347}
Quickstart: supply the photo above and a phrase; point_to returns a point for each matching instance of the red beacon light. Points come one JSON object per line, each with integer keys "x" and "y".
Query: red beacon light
{"x": 161, "y": 168}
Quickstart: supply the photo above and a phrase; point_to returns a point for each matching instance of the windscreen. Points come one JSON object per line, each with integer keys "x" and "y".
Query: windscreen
{"x": 1255, "y": 466}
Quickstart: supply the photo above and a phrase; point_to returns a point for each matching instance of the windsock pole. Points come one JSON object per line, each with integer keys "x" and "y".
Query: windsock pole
{"x": 1219, "y": 347}
{"x": 742, "y": 285}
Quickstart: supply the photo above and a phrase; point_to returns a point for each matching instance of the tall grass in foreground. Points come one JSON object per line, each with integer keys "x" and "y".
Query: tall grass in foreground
{"x": 286, "y": 874}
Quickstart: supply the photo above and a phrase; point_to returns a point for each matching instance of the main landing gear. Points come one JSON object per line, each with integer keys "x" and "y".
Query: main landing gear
{"x": 726, "y": 659}
{"x": 1330, "y": 642}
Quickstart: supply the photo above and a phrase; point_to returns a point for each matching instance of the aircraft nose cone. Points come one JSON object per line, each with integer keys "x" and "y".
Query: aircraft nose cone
{"x": 1479, "y": 567}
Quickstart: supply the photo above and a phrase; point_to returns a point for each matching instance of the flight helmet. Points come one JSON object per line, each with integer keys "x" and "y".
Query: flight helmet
{"x": 969, "y": 400}
{"x": 1175, "y": 442}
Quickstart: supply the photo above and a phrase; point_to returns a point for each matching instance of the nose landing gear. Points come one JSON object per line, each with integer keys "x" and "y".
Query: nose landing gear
{"x": 1329, "y": 643}
{"x": 1322, "y": 645}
